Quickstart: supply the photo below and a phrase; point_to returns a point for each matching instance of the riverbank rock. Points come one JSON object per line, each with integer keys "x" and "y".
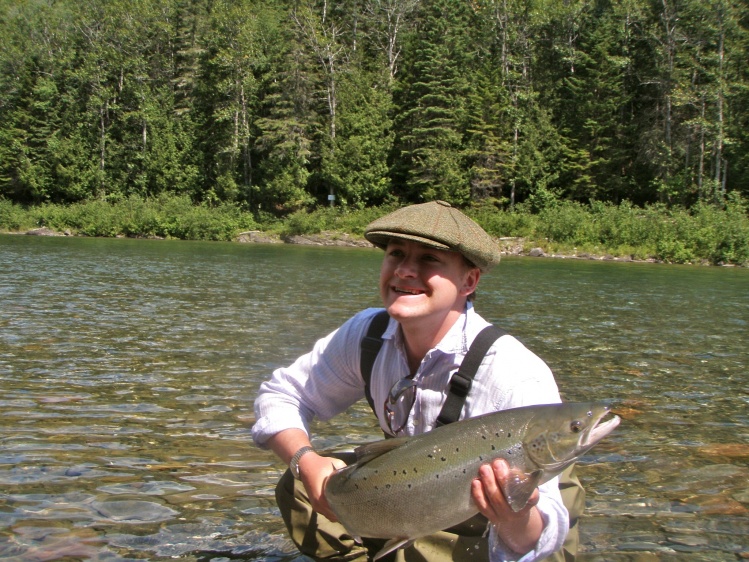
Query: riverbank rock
{"x": 258, "y": 237}
{"x": 328, "y": 239}
{"x": 511, "y": 245}
{"x": 44, "y": 231}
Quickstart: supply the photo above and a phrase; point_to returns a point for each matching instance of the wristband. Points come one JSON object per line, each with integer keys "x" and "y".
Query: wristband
{"x": 294, "y": 464}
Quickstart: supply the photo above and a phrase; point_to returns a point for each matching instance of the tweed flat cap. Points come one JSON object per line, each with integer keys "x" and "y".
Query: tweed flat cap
{"x": 438, "y": 225}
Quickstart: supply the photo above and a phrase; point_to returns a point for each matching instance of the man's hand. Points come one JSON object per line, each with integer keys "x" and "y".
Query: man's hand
{"x": 518, "y": 530}
{"x": 314, "y": 471}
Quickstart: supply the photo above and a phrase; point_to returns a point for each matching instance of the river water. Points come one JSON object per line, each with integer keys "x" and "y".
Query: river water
{"x": 128, "y": 370}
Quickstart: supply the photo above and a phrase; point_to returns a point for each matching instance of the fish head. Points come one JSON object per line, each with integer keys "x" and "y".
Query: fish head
{"x": 558, "y": 435}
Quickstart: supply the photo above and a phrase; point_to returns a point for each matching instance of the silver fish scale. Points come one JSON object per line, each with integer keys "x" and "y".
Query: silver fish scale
{"x": 422, "y": 484}
{"x": 426, "y": 481}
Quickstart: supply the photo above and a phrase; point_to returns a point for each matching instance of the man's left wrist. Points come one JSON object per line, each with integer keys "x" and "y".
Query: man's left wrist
{"x": 294, "y": 463}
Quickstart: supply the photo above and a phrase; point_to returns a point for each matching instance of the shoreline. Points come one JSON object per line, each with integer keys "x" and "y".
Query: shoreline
{"x": 510, "y": 246}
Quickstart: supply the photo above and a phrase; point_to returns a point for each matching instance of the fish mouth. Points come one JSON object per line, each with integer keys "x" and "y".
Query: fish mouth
{"x": 587, "y": 440}
{"x": 598, "y": 431}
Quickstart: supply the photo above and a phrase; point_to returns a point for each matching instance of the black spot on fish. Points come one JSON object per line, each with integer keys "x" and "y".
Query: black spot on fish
{"x": 481, "y": 458}
{"x": 483, "y": 437}
{"x": 395, "y": 473}
{"x": 496, "y": 434}
{"x": 430, "y": 455}
{"x": 509, "y": 434}
{"x": 443, "y": 459}
{"x": 405, "y": 471}
{"x": 457, "y": 449}
{"x": 409, "y": 486}
{"x": 494, "y": 448}
{"x": 387, "y": 486}
{"x": 415, "y": 469}
{"x": 437, "y": 476}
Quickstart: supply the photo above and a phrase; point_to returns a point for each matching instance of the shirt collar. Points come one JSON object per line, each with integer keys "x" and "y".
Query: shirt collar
{"x": 453, "y": 342}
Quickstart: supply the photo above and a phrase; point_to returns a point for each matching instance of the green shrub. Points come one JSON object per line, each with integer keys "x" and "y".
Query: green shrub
{"x": 676, "y": 235}
{"x": 302, "y": 222}
{"x": 622, "y": 225}
{"x": 723, "y": 234}
{"x": 515, "y": 223}
{"x": 178, "y": 217}
{"x": 140, "y": 219}
{"x": 92, "y": 218}
{"x": 14, "y": 217}
{"x": 568, "y": 222}
{"x": 331, "y": 218}
{"x": 356, "y": 221}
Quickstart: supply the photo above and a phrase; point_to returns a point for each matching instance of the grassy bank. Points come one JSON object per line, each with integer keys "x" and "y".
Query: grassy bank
{"x": 703, "y": 234}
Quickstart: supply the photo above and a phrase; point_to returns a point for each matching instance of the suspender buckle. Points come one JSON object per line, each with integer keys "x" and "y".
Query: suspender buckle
{"x": 460, "y": 385}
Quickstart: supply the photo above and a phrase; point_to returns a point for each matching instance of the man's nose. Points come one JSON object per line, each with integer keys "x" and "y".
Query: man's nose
{"x": 406, "y": 267}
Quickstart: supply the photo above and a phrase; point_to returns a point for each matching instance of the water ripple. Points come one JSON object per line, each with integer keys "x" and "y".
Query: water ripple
{"x": 129, "y": 369}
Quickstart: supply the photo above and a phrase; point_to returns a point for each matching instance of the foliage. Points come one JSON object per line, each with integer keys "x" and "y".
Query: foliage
{"x": 275, "y": 105}
{"x": 165, "y": 217}
{"x": 676, "y": 235}
{"x": 582, "y": 123}
{"x": 331, "y": 219}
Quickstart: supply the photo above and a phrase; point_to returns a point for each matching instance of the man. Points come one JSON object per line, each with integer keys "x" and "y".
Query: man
{"x": 434, "y": 258}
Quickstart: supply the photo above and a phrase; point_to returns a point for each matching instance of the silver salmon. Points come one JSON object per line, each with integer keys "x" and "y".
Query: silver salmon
{"x": 408, "y": 487}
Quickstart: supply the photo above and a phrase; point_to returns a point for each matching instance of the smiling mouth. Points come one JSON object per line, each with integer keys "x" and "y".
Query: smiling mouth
{"x": 407, "y": 291}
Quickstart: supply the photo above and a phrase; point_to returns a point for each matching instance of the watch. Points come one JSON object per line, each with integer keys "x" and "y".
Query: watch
{"x": 294, "y": 464}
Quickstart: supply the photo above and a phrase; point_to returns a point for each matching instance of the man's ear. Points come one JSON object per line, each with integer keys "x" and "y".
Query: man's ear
{"x": 471, "y": 281}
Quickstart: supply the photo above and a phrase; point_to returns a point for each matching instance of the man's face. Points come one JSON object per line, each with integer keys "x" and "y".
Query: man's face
{"x": 417, "y": 281}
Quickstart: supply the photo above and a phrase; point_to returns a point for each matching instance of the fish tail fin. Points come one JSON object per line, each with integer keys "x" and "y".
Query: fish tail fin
{"x": 392, "y": 545}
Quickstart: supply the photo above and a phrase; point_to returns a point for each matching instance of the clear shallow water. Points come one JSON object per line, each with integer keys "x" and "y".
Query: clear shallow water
{"x": 128, "y": 370}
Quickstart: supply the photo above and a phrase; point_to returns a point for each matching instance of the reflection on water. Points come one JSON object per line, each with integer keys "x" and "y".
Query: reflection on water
{"x": 128, "y": 370}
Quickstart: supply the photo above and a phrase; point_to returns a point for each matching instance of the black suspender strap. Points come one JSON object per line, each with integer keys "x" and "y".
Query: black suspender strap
{"x": 370, "y": 347}
{"x": 461, "y": 382}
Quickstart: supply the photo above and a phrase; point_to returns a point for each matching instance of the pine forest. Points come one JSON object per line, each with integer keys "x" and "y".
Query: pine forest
{"x": 278, "y": 105}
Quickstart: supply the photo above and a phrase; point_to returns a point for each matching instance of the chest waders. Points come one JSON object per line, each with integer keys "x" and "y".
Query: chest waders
{"x": 573, "y": 494}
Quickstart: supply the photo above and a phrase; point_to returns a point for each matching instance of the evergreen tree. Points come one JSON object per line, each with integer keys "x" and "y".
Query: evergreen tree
{"x": 274, "y": 103}
{"x": 596, "y": 108}
{"x": 431, "y": 106}
{"x": 357, "y": 166}
{"x": 512, "y": 142}
{"x": 226, "y": 95}
{"x": 285, "y": 125}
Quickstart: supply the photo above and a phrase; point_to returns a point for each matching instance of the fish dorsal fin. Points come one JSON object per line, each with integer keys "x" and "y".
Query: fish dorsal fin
{"x": 519, "y": 488}
{"x": 369, "y": 451}
{"x": 391, "y": 545}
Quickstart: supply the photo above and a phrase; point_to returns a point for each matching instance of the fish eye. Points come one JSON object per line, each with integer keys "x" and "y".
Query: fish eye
{"x": 576, "y": 426}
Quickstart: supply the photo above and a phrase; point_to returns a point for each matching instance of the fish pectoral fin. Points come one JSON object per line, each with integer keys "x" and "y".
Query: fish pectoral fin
{"x": 391, "y": 545}
{"x": 366, "y": 453}
{"x": 519, "y": 488}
